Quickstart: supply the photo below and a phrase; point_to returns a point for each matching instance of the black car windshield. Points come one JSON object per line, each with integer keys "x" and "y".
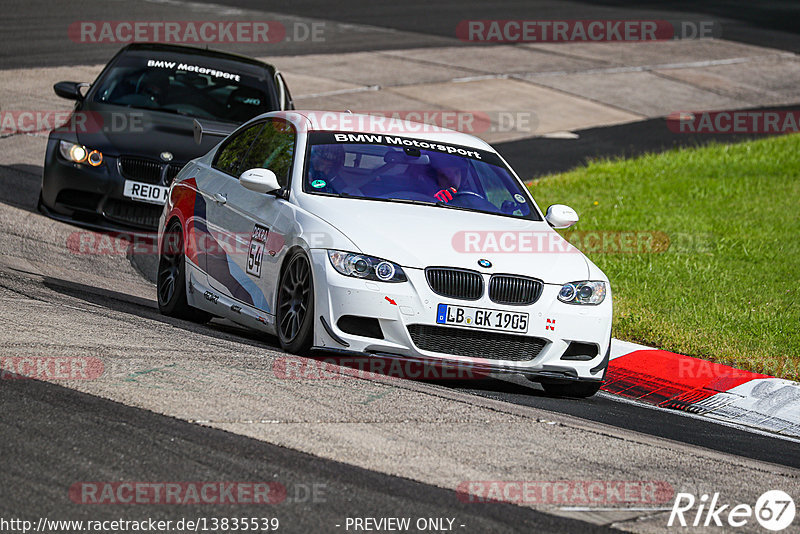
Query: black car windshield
{"x": 196, "y": 86}
{"x": 391, "y": 168}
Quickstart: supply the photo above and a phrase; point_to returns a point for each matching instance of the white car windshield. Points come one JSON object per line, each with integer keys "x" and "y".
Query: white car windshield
{"x": 391, "y": 168}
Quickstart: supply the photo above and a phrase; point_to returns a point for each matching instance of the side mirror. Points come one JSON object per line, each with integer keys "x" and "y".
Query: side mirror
{"x": 560, "y": 216}
{"x": 70, "y": 90}
{"x": 259, "y": 180}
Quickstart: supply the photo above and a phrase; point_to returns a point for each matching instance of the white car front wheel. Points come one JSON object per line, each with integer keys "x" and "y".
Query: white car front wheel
{"x": 296, "y": 305}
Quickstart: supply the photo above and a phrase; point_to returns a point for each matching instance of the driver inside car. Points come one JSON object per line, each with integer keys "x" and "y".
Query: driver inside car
{"x": 449, "y": 175}
{"x": 325, "y": 173}
{"x": 155, "y": 86}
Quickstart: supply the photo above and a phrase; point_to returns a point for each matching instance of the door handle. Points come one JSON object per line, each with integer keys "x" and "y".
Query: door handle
{"x": 220, "y": 198}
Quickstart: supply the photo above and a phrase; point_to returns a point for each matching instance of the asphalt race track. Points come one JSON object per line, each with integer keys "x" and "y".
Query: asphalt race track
{"x": 182, "y": 402}
{"x": 624, "y": 140}
{"x": 32, "y": 32}
{"x": 137, "y": 444}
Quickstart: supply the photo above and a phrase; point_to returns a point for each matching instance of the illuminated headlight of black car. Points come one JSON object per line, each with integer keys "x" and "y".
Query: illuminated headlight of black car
{"x": 586, "y": 292}
{"x": 366, "y": 267}
{"x": 79, "y": 153}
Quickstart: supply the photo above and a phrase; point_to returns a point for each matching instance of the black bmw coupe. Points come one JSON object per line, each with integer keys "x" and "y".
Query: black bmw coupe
{"x": 133, "y": 129}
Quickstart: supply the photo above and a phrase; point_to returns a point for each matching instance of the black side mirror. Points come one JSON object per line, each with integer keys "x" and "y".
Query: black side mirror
{"x": 70, "y": 90}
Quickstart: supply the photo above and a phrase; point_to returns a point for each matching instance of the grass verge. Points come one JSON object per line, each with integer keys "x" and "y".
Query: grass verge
{"x": 719, "y": 275}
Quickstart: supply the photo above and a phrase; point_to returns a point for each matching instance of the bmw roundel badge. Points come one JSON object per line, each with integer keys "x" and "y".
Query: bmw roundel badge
{"x": 485, "y": 263}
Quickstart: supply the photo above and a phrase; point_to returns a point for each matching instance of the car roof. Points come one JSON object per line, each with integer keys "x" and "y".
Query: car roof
{"x": 337, "y": 121}
{"x": 193, "y": 50}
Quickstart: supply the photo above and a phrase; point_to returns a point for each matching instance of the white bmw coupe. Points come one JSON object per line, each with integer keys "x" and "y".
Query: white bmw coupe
{"x": 383, "y": 237}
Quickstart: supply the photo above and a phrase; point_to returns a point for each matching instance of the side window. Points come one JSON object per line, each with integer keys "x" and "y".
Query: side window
{"x": 273, "y": 150}
{"x": 229, "y": 158}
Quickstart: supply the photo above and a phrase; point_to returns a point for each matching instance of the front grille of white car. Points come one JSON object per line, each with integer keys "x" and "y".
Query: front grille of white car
{"x": 455, "y": 283}
{"x": 476, "y": 343}
{"x": 516, "y": 290}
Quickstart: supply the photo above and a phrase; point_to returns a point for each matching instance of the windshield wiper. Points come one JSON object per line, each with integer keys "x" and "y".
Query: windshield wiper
{"x": 464, "y": 208}
{"x": 435, "y": 204}
{"x": 163, "y": 110}
{"x": 173, "y": 111}
{"x": 409, "y": 201}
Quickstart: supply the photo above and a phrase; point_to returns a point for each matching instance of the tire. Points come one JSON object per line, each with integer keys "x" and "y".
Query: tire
{"x": 295, "y": 310}
{"x": 581, "y": 390}
{"x": 171, "y": 279}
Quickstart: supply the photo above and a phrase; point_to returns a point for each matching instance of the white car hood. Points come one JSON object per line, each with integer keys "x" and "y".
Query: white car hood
{"x": 423, "y": 236}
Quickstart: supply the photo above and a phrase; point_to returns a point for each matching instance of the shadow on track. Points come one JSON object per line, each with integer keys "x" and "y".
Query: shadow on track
{"x": 139, "y": 307}
{"x": 20, "y": 186}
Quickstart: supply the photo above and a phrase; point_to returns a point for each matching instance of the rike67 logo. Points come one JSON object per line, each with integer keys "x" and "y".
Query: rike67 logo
{"x": 774, "y": 510}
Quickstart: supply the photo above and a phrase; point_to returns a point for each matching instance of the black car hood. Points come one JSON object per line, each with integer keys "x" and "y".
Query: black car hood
{"x": 117, "y": 130}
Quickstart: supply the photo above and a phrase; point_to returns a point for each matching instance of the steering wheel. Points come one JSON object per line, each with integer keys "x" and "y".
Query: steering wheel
{"x": 406, "y": 195}
{"x": 473, "y": 200}
{"x": 465, "y": 193}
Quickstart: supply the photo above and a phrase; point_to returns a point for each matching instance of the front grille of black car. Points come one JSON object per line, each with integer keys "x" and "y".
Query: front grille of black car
{"x": 476, "y": 344}
{"x": 133, "y": 213}
{"x": 508, "y": 289}
{"x": 172, "y": 172}
{"x": 455, "y": 283}
{"x": 141, "y": 169}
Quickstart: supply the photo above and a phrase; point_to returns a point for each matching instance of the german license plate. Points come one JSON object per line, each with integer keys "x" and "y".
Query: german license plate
{"x": 155, "y": 194}
{"x": 482, "y": 318}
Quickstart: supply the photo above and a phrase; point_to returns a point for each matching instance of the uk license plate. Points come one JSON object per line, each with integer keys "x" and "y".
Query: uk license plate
{"x": 482, "y": 318}
{"x": 154, "y": 194}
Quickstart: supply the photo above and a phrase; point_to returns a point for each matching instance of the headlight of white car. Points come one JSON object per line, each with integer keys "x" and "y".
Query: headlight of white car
{"x": 586, "y": 292}
{"x": 366, "y": 267}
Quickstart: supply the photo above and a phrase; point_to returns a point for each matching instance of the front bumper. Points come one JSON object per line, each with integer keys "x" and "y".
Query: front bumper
{"x": 92, "y": 196}
{"x": 403, "y": 308}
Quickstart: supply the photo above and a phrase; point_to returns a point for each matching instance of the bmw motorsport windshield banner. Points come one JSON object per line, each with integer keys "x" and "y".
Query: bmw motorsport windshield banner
{"x": 407, "y": 143}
